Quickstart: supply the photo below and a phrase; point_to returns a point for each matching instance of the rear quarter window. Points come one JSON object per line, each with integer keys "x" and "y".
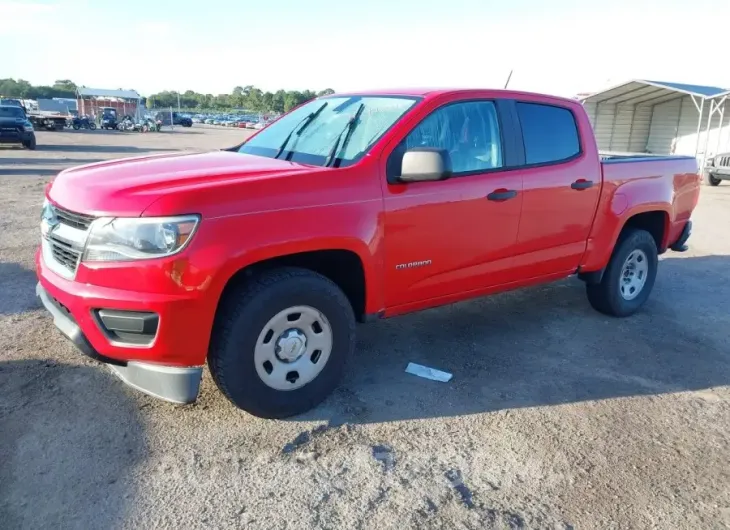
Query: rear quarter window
{"x": 550, "y": 133}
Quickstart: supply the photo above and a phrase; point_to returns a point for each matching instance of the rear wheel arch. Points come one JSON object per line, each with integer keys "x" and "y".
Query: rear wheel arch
{"x": 654, "y": 221}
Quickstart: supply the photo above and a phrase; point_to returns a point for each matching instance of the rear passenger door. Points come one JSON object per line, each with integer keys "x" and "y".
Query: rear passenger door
{"x": 561, "y": 187}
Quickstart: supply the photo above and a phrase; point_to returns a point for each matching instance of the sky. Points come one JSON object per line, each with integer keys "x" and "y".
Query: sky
{"x": 561, "y": 47}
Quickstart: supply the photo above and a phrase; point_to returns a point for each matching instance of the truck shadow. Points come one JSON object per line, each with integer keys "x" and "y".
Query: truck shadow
{"x": 34, "y": 171}
{"x": 85, "y": 148}
{"x": 17, "y": 285}
{"x": 47, "y": 161}
{"x": 71, "y": 439}
{"x": 539, "y": 347}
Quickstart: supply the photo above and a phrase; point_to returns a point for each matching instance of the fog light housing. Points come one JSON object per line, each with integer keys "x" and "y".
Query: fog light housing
{"x": 136, "y": 328}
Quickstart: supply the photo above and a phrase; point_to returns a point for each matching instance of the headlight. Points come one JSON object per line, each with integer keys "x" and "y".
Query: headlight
{"x": 126, "y": 239}
{"x": 28, "y": 126}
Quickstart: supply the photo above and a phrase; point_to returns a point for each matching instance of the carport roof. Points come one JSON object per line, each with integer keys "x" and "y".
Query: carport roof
{"x": 652, "y": 92}
{"x": 104, "y": 93}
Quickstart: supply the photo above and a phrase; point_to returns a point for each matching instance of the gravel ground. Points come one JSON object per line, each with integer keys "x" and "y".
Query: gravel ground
{"x": 556, "y": 417}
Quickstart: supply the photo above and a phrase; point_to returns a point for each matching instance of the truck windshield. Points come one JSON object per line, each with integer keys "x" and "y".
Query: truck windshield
{"x": 11, "y": 112}
{"x": 312, "y": 143}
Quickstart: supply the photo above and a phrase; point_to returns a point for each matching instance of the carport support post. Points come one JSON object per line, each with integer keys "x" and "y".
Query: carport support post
{"x": 720, "y": 129}
{"x": 714, "y": 107}
{"x": 699, "y": 108}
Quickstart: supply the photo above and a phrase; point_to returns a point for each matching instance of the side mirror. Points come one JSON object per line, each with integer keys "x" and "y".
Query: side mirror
{"x": 425, "y": 164}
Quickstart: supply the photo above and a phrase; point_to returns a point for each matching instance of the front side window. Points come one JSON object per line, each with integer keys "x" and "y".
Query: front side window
{"x": 550, "y": 133}
{"x": 468, "y": 131}
{"x": 336, "y": 130}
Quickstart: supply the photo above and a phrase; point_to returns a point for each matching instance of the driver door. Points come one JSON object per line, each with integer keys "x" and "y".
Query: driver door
{"x": 446, "y": 238}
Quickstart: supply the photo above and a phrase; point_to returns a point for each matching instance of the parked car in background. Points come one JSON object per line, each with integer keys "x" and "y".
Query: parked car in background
{"x": 718, "y": 169}
{"x": 109, "y": 118}
{"x": 439, "y": 196}
{"x": 15, "y": 128}
{"x": 174, "y": 118}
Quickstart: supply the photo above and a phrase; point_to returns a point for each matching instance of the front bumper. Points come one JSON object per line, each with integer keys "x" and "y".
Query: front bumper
{"x": 16, "y": 137}
{"x": 681, "y": 244}
{"x": 720, "y": 172}
{"x": 171, "y": 383}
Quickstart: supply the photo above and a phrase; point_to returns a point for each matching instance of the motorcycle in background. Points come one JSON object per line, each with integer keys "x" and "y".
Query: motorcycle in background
{"x": 82, "y": 122}
{"x": 127, "y": 124}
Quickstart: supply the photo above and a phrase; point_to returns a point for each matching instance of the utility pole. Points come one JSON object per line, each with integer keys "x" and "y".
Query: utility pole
{"x": 178, "y": 101}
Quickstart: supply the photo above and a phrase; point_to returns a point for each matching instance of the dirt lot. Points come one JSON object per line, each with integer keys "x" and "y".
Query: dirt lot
{"x": 556, "y": 417}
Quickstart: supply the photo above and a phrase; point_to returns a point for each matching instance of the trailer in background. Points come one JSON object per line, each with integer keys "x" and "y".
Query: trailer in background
{"x": 52, "y": 121}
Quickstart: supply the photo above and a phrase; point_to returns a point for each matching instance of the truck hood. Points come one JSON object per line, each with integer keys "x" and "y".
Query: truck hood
{"x": 128, "y": 186}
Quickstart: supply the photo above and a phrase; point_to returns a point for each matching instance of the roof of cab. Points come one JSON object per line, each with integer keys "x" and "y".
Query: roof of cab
{"x": 433, "y": 92}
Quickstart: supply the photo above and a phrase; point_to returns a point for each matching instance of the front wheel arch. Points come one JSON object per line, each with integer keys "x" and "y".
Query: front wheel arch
{"x": 343, "y": 267}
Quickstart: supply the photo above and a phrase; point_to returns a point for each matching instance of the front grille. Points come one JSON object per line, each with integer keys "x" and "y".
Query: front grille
{"x": 10, "y": 132}
{"x": 73, "y": 219}
{"x": 64, "y": 253}
{"x": 724, "y": 161}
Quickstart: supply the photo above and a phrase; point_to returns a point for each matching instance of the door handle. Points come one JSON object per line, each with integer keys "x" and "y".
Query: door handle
{"x": 582, "y": 184}
{"x": 502, "y": 195}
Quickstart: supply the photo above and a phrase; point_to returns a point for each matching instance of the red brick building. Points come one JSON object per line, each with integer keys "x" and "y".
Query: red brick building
{"x": 91, "y": 100}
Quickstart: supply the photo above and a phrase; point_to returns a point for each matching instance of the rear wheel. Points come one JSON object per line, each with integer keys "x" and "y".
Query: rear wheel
{"x": 629, "y": 276}
{"x": 92, "y": 126}
{"x": 280, "y": 342}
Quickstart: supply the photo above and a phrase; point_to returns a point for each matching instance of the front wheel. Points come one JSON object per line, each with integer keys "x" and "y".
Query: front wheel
{"x": 92, "y": 126}
{"x": 629, "y": 276}
{"x": 30, "y": 144}
{"x": 280, "y": 342}
{"x": 712, "y": 180}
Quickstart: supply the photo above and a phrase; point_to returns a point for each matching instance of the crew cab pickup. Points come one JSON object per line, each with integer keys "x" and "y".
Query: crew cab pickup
{"x": 261, "y": 258}
{"x": 15, "y": 127}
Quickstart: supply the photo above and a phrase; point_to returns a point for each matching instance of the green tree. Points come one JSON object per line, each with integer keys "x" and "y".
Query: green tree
{"x": 65, "y": 84}
{"x": 238, "y": 97}
{"x": 278, "y": 101}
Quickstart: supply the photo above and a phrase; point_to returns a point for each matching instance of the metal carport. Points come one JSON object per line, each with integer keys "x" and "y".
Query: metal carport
{"x": 659, "y": 117}
{"x": 90, "y": 100}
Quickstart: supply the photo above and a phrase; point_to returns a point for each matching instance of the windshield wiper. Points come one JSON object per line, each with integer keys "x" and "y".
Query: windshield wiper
{"x": 298, "y": 129}
{"x": 347, "y": 131}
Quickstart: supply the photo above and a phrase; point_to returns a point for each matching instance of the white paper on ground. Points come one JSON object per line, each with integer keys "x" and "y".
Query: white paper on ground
{"x": 428, "y": 373}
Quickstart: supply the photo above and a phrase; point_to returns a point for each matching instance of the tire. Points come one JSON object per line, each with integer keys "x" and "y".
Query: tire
{"x": 92, "y": 126}
{"x": 243, "y": 323}
{"x": 606, "y": 296}
{"x": 30, "y": 144}
{"x": 712, "y": 180}
{"x": 76, "y": 126}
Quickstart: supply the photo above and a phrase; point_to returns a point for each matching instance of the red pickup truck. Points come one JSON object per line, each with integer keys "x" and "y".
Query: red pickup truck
{"x": 261, "y": 258}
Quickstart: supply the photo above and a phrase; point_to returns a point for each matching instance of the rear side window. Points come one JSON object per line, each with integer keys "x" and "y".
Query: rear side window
{"x": 550, "y": 133}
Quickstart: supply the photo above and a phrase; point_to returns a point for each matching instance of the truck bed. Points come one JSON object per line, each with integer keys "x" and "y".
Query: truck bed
{"x": 621, "y": 157}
